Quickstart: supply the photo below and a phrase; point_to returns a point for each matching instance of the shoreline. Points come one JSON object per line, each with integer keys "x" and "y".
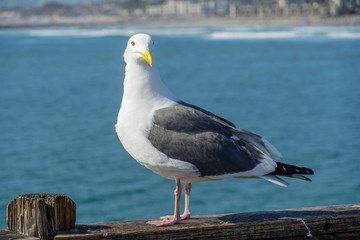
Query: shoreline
{"x": 108, "y": 21}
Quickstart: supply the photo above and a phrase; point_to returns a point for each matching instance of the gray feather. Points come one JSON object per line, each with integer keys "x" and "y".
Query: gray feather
{"x": 190, "y": 135}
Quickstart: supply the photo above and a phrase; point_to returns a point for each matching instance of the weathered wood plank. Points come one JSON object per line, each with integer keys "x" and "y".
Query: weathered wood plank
{"x": 9, "y": 235}
{"x": 40, "y": 215}
{"x": 329, "y": 222}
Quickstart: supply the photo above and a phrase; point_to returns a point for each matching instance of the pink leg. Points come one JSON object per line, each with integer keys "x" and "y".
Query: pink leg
{"x": 186, "y": 214}
{"x": 176, "y": 218}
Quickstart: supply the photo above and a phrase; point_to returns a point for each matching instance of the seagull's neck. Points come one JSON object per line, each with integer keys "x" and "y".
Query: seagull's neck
{"x": 143, "y": 85}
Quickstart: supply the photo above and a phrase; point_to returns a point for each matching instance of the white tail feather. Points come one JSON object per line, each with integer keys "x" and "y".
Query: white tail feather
{"x": 276, "y": 180}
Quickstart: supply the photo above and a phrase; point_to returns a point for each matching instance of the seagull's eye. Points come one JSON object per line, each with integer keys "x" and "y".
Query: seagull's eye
{"x": 133, "y": 43}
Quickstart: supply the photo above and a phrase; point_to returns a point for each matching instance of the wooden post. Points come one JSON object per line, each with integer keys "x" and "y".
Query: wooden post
{"x": 328, "y": 222}
{"x": 40, "y": 215}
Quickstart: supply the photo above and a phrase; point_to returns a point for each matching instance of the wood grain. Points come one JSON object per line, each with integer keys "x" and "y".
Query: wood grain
{"x": 331, "y": 222}
{"x": 40, "y": 215}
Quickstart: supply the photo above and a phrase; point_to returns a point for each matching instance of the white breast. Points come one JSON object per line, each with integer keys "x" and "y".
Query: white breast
{"x": 144, "y": 93}
{"x": 132, "y": 131}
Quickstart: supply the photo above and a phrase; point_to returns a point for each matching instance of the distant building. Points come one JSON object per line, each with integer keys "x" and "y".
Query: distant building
{"x": 115, "y": 11}
{"x": 249, "y": 8}
{"x": 174, "y": 8}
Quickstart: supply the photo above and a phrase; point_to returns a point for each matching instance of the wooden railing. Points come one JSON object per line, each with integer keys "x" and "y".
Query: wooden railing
{"x": 52, "y": 216}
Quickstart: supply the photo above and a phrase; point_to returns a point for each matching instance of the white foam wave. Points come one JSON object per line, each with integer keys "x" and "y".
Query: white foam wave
{"x": 286, "y": 33}
{"x": 112, "y": 31}
{"x": 343, "y": 32}
{"x": 212, "y": 33}
{"x": 78, "y": 32}
{"x": 250, "y": 35}
{"x": 345, "y": 35}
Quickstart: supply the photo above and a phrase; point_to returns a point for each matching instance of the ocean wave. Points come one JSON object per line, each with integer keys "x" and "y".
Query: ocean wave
{"x": 250, "y": 35}
{"x": 113, "y": 31}
{"x": 78, "y": 32}
{"x": 210, "y": 33}
{"x": 286, "y": 33}
{"x": 345, "y": 35}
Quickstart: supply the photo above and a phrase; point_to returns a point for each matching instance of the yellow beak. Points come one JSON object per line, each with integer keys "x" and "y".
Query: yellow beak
{"x": 147, "y": 57}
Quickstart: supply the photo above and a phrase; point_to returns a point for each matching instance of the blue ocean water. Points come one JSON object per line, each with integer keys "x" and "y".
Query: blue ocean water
{"x": 61, "y": 89}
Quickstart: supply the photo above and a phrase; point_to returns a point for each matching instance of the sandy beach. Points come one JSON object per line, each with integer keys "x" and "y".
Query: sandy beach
{"x": 103, "y": 20}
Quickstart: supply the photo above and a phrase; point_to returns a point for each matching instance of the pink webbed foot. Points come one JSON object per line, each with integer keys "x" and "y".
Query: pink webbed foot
{"x": 164, "y": 222}
{"x": 168, "y": 217}
{"x": 182, "y": 217}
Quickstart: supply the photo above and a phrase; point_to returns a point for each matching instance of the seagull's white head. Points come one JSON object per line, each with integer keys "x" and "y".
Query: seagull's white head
{"x": 139, "y": 49}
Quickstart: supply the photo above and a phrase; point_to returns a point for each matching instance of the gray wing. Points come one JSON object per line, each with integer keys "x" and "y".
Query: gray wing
{"x": 220, "y": 120}
{"x": 258, "y": 141}
{"x": 196, "y": 136}
{"x": 254, "y": 139}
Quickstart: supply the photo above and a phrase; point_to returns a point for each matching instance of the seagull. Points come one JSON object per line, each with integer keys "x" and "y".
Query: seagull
{"x": 183, "y": 142}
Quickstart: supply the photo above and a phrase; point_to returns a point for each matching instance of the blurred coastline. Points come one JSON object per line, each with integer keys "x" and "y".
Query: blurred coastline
{"x": 181, "y": 13}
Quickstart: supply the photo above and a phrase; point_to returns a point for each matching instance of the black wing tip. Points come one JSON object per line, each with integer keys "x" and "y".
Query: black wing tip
{"x": 284, "y": 169}
{"x": 306, "y": 171}
{"x": 301, "y": 177}
{"x": 311, "y": 172}
{"x": 293, "y": 171}
{"x": 298, "y": 176}
{"x": 306, "y": 178}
